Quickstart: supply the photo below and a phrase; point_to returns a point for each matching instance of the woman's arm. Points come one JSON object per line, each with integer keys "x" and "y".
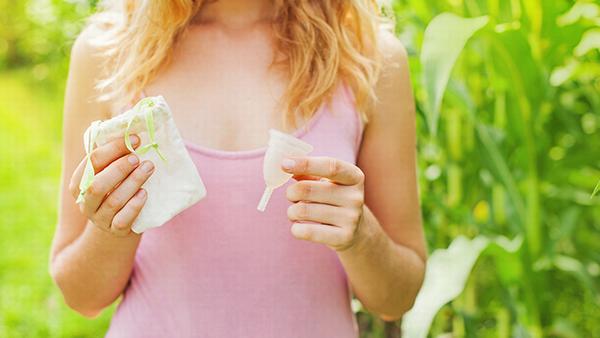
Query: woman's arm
{"x": 90, "y": 266}
{"x": 387, "y": 269}
{"x": 370, "y": 214}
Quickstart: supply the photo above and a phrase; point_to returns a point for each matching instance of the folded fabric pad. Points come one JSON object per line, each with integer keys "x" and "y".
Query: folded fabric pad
{"x": 175, "y": 184}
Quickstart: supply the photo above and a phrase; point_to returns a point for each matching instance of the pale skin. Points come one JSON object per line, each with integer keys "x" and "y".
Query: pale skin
{"x": 368, "y": 213}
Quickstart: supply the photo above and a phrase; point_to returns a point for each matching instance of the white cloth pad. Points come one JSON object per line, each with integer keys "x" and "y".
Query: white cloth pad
{"x": 175, "y": 184}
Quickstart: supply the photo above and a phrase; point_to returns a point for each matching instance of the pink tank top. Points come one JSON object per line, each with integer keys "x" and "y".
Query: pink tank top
{"x": 223, "y": 269}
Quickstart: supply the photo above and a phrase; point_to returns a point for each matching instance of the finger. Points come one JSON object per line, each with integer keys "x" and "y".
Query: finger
{"x": 306, "y": 177}
{"x": 335, "y": 237}
{"x": 99, "y": 157}
{"x": 119, "y": 197}
{"x": 106, "y": 181}
{"x": 76, "y": 178}
{"x": 121, "y": 223}
{"x": 319, "y": 192}
{"x": 322, "y": 213}
{"x": 336, "y": 170}
{"x": 107, "y": 153}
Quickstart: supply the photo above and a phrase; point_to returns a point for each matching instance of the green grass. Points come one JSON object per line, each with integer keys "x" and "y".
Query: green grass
{"x": 30, "y": 304}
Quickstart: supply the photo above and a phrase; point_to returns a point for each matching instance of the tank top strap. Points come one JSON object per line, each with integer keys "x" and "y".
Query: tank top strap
{"x": 359, "y": 123}
{"x": 342, "y": 121}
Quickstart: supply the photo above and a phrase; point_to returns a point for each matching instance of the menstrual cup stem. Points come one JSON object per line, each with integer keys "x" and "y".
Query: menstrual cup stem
{"x": 265, "y": 199}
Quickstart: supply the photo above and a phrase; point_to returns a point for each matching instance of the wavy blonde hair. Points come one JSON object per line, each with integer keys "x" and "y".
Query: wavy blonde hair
{"x": 323, "y": 42}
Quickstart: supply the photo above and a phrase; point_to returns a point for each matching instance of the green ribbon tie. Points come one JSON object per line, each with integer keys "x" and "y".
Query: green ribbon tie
{"x": 89, "y": 139}
{"x": 149, "y": 116}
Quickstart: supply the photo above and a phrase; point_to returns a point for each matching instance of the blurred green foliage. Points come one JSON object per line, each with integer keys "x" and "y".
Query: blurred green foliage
{"x": 38, "y": 34}
{"x": 514, "y": 153}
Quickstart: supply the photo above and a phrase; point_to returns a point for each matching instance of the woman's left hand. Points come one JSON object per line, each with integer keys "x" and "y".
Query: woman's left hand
{"x": 328, "y": 200}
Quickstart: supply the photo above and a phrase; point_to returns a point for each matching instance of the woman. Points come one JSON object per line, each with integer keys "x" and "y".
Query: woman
{"x": 325, "y": 71}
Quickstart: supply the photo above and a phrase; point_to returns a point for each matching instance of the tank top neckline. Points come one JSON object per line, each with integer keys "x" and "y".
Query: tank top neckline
{"x": 256, "y": 152}
{"x": 250, "y": 153}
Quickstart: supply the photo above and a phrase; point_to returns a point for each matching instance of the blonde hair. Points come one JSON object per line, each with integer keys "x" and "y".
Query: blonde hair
{"x": 323, "y": 42}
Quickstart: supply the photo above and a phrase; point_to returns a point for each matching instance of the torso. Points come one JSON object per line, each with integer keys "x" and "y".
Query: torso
{"x": 220, "y": 87}
{"x": 221, "y": 268}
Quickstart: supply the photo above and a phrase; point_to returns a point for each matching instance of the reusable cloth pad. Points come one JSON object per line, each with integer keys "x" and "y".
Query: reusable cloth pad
{"x": 175, "y": 184}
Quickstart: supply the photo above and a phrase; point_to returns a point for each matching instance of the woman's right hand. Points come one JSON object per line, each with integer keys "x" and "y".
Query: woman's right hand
{"x": 115, "y": 197}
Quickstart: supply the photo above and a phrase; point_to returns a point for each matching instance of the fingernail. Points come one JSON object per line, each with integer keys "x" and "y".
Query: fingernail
{"x": 288, "y": 164}
{"x": 147, "y": 166}
{"x": 141, "y": 193}
{"x": 133, "y": 160}
{"x": 134, "y": 139}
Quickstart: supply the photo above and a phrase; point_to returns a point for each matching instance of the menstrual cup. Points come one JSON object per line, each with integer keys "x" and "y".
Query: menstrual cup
{"x": 281, "y": 145}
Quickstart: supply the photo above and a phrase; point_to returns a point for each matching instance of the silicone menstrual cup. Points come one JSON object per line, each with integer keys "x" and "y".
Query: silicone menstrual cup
{"x": 281, "y": 145}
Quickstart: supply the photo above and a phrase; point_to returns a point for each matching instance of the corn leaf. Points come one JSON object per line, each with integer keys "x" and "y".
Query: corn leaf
{"x": 596, "y": 190}
{"x": 444, "y": 40}
{"x": 445, "y": 278}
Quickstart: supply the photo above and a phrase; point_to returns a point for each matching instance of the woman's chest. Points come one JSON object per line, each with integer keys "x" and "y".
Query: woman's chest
{"x": 223, "y": 95}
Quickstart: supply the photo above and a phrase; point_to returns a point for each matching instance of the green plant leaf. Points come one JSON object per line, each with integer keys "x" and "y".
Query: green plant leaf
{"x": 444, "y": 39}
{"x": 596, "y": 190}
{"x": 580, "y": 10}
{"x": 577, "y": 269}
{"x": 493, "y": 159}
{"x": 589, "y": 42}
{"x": 445, "y": 278}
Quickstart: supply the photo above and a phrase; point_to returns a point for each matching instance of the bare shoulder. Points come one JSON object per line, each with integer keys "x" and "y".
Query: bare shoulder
{"x": 84, "y": 46}
{"x": 393, "y": 88}
{"x": 86, "y": 52}
{"x": 86, "y": 68}
{"x": 391, "y": 48}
